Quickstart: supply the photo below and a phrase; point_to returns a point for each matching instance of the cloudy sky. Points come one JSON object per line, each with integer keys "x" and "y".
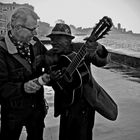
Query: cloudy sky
{"x": 85, "y": 13}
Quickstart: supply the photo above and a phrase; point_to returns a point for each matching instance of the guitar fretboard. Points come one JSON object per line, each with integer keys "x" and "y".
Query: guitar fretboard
{"x": 76, "y": 60}
{"x": 98, "y": 32}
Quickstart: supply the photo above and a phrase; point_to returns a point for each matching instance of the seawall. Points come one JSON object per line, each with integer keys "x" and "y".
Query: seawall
{"x": 126, "y": 58}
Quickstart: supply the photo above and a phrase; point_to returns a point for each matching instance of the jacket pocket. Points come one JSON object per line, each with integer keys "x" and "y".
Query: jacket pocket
{"x": 17, "y": 75}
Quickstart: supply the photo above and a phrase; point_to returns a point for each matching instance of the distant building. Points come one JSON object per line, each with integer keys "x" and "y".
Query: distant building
{"x": 119, "y": 26}
{"x": 5, "y": 12}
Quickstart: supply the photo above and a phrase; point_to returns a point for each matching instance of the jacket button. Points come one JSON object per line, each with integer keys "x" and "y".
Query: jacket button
{"x": 83, "y": 112}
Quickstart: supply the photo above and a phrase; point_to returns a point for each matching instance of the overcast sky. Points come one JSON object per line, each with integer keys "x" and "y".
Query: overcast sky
{"x": 85, "y": 13}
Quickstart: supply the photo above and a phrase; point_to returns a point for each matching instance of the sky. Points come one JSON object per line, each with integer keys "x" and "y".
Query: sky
{"x": 86, "y": 13}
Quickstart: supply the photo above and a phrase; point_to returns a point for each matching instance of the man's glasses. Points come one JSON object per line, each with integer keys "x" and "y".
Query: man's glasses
{"x": 30, "y": 29}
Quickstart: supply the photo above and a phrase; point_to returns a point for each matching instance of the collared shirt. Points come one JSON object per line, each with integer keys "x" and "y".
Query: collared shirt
{"x": 23, "y": 49}
{"x": 10, "y": 46}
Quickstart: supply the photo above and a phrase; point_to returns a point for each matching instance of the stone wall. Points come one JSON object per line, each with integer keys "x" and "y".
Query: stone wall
{"x": 125, "y": 59}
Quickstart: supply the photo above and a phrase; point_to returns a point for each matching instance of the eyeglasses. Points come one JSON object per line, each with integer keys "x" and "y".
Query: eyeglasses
{"x": 30, "y": 29}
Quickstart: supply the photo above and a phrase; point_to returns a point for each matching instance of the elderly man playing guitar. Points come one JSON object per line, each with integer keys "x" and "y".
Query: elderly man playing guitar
{"x": 72, "y": 73}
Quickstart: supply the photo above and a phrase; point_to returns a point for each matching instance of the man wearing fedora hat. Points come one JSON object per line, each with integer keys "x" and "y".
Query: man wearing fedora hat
{"x": 76, "y": 119}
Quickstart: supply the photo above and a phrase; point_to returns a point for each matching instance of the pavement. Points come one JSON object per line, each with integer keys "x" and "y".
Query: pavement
{"x": 125, "y": 91}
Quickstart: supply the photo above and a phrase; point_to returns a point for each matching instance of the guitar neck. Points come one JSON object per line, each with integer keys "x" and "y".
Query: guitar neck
{"x": 76, "y": 60}
{"x": 98, "y": 32}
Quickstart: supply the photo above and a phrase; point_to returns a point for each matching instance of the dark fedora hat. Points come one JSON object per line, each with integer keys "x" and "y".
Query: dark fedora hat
{"x": 61, "y": 29}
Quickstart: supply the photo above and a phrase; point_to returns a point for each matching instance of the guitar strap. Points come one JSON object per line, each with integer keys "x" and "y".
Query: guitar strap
{"x": 18, "y": 58}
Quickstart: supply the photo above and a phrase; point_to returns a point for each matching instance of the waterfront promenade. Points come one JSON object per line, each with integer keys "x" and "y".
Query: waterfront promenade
{"x": 126, "y": 92}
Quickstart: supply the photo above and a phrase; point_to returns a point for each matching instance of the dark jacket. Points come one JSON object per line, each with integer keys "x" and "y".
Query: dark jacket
{"x": 13, "y": 75}
{"x": 91, "y": 57}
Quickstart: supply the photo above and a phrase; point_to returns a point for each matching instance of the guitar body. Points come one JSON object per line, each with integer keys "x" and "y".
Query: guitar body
{"x": 68, "y": 84}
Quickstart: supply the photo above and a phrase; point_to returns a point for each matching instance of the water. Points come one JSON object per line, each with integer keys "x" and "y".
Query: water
{"x": 120, "y": 41}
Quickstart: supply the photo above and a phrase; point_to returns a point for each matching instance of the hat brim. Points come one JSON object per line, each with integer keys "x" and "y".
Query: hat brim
{"x": 60, "y": 33}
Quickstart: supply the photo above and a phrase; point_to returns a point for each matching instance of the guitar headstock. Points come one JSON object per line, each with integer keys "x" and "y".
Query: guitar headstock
{"x": 101, "y": 29}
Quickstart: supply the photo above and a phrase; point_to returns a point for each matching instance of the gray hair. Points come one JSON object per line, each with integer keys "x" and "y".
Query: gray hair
{"x": 20, "y": 15}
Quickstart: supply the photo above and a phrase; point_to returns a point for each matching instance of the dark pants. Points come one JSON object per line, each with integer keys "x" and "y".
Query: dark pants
{"x": 77, "y": 122}
{"x": 12, "y": 124}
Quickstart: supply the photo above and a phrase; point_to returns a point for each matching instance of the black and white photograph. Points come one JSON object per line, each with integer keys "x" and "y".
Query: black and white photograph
{"x": 69, "y": 70}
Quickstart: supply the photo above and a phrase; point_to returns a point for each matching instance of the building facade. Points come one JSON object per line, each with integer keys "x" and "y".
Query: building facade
{"x": 5, "y": 12}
